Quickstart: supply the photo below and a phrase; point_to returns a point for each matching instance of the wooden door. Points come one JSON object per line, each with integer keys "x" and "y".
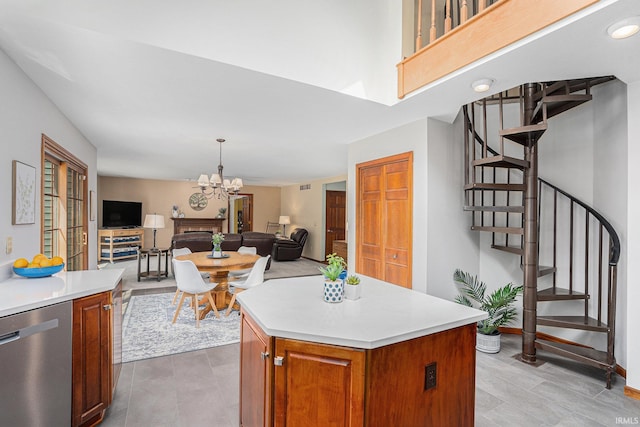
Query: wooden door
{"x": 91, "y": 361}
{"x": 335, "y": 214}
{"x": 318, "y": 385}
{"x": 255, "y": 375}
{"x": 384, "y": 206}
{"x": 64, "y": 215}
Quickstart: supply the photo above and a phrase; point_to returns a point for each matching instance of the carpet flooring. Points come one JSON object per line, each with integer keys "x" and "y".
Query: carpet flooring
{"x": 148, "y": 331}
{"x": 147, "y": 328}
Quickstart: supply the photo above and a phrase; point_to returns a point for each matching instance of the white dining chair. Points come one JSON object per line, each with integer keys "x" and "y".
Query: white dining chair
{"x": 237, "y": 274}
{"x": 177, "y": 252}
{"x": 191, "y": 284}
{"x": 255, "y": 278}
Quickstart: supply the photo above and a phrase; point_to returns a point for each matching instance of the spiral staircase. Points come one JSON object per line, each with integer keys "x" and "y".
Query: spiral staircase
{"x": 568, "y": 251}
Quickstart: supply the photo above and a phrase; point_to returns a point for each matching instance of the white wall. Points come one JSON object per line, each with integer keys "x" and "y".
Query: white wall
{"x": 25, "y": 114}
{"x": 306, "y": 208}
{"x": 411, "y": 137}
{"x": 632, "y": 299}
{"x": 450, "y": 244}
{"x": 346, "y": 46}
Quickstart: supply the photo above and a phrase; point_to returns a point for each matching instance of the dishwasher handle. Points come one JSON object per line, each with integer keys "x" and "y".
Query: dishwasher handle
{"x": 27, "y": 331}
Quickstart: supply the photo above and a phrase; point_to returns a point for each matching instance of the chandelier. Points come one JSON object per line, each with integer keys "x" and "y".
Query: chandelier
{"x": 217, "y": 186}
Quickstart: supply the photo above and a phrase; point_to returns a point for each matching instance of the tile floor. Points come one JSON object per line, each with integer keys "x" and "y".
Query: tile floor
{"x": 201, "y": 389}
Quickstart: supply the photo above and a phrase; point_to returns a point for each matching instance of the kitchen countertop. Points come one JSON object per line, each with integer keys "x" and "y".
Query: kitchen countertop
{"x": 385, "y": 314}
{"x": 18, "y": 294}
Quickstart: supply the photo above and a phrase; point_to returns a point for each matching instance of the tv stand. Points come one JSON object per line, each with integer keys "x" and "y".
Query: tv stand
{"x": 119, "y": 243}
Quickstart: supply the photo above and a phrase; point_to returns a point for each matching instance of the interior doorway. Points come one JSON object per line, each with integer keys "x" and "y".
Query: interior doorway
{"x": 335, "y": 215}
{"x": 240, "y": 218}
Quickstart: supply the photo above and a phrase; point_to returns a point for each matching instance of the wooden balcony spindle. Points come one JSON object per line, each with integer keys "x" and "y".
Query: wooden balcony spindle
{"x": 432, "y": 31}
{"x": 463, "y": 12}
{"x": 447, "y": 19}
{"x": 482, "y": 4}
{"x": 419, "y": 36}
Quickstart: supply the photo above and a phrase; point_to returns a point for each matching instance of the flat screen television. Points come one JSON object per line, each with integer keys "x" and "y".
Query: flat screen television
{"x": 116, "y": 214}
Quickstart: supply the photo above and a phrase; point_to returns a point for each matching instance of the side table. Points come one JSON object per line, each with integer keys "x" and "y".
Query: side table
{"x": 159, "y": 272}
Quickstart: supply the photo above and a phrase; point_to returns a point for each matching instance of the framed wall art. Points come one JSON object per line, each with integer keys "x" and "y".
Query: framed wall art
{"x": 23, "y": 194}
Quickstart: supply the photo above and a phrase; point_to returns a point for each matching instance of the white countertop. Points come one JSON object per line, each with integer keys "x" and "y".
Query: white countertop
{"x": 385, "y": 314}
{"x": 19, "y": 294}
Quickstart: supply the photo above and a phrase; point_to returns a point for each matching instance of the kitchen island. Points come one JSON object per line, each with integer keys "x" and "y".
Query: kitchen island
{"x": 395, "y": 357}
{"x": 61, "y": 347}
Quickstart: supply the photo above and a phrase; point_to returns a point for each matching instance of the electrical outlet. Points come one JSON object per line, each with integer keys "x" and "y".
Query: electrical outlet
{"x": 430, "y": 376}
{"x": 9, "y": 245}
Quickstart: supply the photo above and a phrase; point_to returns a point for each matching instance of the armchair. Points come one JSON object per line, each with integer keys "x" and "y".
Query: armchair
{"x": 290, "y": 249}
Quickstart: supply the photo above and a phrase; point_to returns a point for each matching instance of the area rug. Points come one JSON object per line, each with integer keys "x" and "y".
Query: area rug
{"x": 148, "y": 331}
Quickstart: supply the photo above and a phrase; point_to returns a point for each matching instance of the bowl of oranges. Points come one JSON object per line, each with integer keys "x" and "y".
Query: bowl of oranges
{"x": 40, "y": 266}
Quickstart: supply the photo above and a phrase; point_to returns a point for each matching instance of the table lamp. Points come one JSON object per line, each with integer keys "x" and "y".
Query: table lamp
{"x": 284, "y": 220}
{"x": 154, "y": 221}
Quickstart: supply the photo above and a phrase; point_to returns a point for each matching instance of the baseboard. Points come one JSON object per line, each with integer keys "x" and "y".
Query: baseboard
{"x": 518, "y": 331}
{"x": 631, "y": 392}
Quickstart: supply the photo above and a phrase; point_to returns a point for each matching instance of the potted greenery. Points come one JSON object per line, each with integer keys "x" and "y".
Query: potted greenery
{"x": 333, "y": 284}
{"x": 217, "y": 240}
{"x": 499, "y": 305}
{"x": 352, "y": 287}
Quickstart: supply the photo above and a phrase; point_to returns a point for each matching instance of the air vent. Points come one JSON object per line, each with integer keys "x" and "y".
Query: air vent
{"x": 305, "y": 187}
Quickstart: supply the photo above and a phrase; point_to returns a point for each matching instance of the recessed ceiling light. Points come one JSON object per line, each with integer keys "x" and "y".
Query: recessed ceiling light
{"x": 625, "y": 28}
{"x": 482, "y": 85}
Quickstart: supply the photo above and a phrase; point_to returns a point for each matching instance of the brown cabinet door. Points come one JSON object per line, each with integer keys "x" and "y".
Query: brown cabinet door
{"x": 116, "y": 336}
{"x": 384, "y": 206}
{"x": 318, "y": 385}
{"x": 255, "y": 375}
{"x": 91, "y": 364}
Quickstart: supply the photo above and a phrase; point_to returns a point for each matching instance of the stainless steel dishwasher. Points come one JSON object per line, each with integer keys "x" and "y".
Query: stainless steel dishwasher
{"x": 35, "y": 367}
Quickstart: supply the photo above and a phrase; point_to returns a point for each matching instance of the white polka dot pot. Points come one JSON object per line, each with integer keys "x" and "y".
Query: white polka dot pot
{"x": 333, "y": 291}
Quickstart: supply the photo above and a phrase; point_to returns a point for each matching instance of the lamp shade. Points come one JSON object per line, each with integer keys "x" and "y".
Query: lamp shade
{"x": 203, "y": 180}
{"x": 153, "y": 221}
{"x": 284, "y": 220}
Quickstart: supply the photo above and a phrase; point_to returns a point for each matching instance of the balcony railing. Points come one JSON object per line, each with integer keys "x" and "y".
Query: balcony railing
{"x": 461, "y": 32}
{"x": 444, "y": 15}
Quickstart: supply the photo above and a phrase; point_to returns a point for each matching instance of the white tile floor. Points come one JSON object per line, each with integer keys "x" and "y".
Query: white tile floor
{"x": 201, "y": 389}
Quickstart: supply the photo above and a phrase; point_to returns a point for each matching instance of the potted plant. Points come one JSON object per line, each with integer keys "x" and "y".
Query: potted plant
{"x": 217, "y": 240}
{"x": 499, "y": 305}
{"x": 333, "y": 285}
{"x": 352, "y": 287}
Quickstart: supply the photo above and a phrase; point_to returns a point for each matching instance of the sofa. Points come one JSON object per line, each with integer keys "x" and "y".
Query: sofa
{"x": 200, "y": 241}
{"x": 290, "y": 249}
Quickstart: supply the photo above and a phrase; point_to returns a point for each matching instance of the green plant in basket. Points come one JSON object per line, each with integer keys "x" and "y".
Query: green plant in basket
{"x": 335, "y": 266}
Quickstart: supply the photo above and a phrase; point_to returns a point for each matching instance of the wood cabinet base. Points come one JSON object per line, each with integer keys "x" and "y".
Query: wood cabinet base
{"x": 427, "y": 381}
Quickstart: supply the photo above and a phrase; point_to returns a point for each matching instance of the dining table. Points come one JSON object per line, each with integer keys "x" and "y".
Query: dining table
{"x": 218, "y": 269}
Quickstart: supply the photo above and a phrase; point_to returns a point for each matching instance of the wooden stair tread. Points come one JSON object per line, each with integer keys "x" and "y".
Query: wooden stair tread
{"x": 510, "y": 249}
{"x": 543, "y": 270}
{"x": 590, "y": 356}
{"x": 573, "y": 322}
{"x": 525, "y": 135}
{"x": 557, "y": 104}
{"x": 494, "y": 186}
{"x": 560, "y": 294}
{"x": 502, "y": 161}
{"x": 512, "y": 209}
{"x": 506, "y": 230}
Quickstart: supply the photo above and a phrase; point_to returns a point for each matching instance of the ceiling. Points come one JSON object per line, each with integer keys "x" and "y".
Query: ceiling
{"x": 153, "y": 84}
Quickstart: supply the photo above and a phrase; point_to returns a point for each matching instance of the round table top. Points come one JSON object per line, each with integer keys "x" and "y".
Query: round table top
{"x": 235, "y": 261}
